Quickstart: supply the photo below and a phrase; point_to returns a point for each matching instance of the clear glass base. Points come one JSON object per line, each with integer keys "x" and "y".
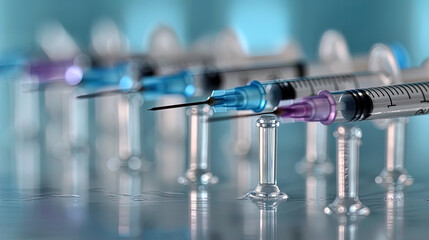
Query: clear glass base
{"x": 347, "y": 206}
{"x": 398, "y": 177}
{"x": 266, "y": 193}
{"x": 316, "y": 168}
{"x": 198, "y": 176}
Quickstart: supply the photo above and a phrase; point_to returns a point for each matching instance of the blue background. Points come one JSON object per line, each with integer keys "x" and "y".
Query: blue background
{"x": 264, "y": 25}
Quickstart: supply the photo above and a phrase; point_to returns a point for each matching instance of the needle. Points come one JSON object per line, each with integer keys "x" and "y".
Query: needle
{"x": 109, "y": 93}
{"x": 210, "y": 101}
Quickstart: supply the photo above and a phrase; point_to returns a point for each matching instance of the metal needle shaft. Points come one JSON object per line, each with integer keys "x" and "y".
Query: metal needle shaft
{"x": 210, "y": 101}
{"x": 109, "y": 93}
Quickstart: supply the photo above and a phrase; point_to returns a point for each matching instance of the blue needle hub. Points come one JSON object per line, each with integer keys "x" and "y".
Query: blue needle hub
{"x": 249, "y": 97}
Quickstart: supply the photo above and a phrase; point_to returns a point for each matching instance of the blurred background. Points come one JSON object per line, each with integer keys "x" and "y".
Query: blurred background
{"x": 43, "y": 156}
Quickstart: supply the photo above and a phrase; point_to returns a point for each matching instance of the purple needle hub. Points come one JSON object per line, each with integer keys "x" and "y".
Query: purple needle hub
{"x": 49, "y": 71}
{"x": 310, "y": 109}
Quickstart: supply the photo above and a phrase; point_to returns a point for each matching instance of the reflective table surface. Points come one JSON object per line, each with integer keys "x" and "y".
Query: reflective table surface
{"x": 208, "y": 212}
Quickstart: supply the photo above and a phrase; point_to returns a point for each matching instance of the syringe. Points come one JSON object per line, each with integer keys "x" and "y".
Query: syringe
{"x": 258, "y": 96}
{"x": 197, "y": 81}
{"x": 87, "y": 74}
{"x": 83, "y": 70}
{"x": 189, "y": 82}
{"x": 45, "y": 70}
{"x": 266, "y": 95}
{"x": 123, "y": 72}
{"x": 400, "y": 100}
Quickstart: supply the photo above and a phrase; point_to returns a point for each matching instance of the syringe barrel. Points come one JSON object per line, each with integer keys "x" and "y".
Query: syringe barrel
{"x": 401, "y": 100}
{"x": 274, "y": 70}
{"x": 285, "y": 89}
{"x": 416, "y": 74}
